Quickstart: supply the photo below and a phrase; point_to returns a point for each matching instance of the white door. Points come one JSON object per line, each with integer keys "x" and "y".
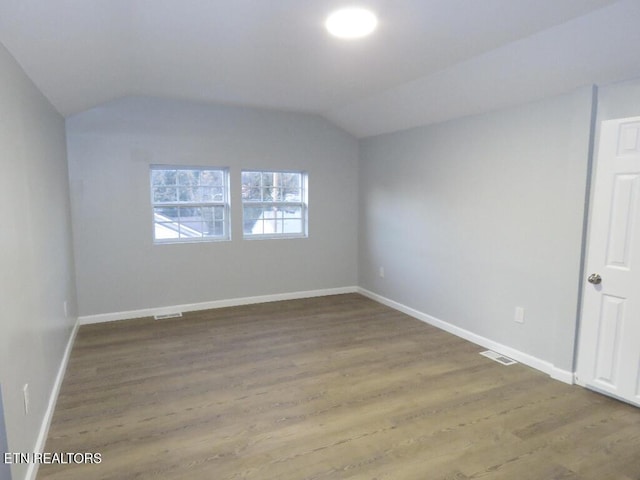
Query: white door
{"x": 609, "y": 344}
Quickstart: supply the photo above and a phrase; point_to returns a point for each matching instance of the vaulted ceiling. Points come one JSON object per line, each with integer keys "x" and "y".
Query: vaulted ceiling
{"x": 428, "y": 61}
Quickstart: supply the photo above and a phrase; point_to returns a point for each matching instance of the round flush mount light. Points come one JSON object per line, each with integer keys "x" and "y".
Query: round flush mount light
{"x": 351, "y": 23}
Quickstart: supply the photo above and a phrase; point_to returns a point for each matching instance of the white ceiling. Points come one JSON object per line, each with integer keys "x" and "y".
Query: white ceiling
{"x": 429, "y": 60}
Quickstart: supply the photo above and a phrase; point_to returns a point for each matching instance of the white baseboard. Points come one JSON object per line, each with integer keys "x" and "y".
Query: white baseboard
{"x": 192, "y": 307}
{"x": 564, "y": 376}
{"x": 32, "y": 471}
{"x": 534, "y": 362}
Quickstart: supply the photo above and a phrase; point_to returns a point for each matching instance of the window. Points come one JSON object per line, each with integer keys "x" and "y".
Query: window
{"x": 274, "y": 204}
{"x": 190, "y": 204}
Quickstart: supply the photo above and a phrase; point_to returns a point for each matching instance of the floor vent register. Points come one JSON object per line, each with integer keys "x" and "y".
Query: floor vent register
{"x": 498, "y": 358}
{"x": 168, "y": 315}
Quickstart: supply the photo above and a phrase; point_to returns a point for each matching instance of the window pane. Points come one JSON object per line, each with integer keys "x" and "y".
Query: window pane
{"x": 171, "y": 213}
{"x": 252, "y": 179}
{"x": 163, "y": 177}
{"x": 164, "y": 194}
{"x": 200, "y": 194}
{"x": 187, "y": 177}
{"x": 186, "y": 194}
{"x": 252, "y": 213}
{"x": 257, "y": 228}
{"x": 165, "y": 231}
{"x": 252, "y": 186}
{"x": 217, "y": 194}
{"x": 292, "y": 219}
{"x": 211, "y": 178}
{"x": 291, "y": 180}
{"x": 267, "y": 179}
{"x": 250, "y": 218}
{"x": 253, "y": 194}
{"x": 292, "y": 194}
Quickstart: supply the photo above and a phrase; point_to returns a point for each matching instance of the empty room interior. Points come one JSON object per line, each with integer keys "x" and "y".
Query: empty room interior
{"x": 315, "y": 239}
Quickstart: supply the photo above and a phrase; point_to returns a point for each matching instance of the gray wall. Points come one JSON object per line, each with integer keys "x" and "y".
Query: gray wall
{"x": 5, "y": 469}
{"x": 118, "y": 267}
{"x": 476, "y": 216}
{"x": 619, "y": 100}
{"x": 36, "y": 266}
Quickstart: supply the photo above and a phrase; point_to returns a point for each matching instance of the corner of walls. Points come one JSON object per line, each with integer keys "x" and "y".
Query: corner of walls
{"x": 474, "y": 217}
{"x": 593, "y": 129}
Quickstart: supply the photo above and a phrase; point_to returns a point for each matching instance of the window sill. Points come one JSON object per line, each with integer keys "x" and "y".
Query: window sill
{"x": 191, "y": 240}
{"x": 274, "y": 237}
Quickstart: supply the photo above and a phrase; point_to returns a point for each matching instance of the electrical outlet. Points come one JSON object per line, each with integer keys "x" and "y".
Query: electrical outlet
{"x": 25, "y": 393}
{"x": 519, "y": 315}
{"x": 381, "y": 272}
{"x": 65, "y": 308}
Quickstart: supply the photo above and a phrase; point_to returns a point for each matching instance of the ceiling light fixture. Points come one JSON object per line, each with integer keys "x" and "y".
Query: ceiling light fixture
{"x": 351, "y": 23}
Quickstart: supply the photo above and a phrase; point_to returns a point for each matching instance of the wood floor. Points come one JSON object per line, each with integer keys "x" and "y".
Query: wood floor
{"x": 336, "y": 387}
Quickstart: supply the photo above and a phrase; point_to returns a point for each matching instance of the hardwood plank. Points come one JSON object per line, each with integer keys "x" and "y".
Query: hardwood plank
{"x": 337, "y": 387}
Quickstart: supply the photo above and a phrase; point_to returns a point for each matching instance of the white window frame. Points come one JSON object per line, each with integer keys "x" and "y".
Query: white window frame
{"x": 303, "y": 204}
{"x": 224, "y": 202}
